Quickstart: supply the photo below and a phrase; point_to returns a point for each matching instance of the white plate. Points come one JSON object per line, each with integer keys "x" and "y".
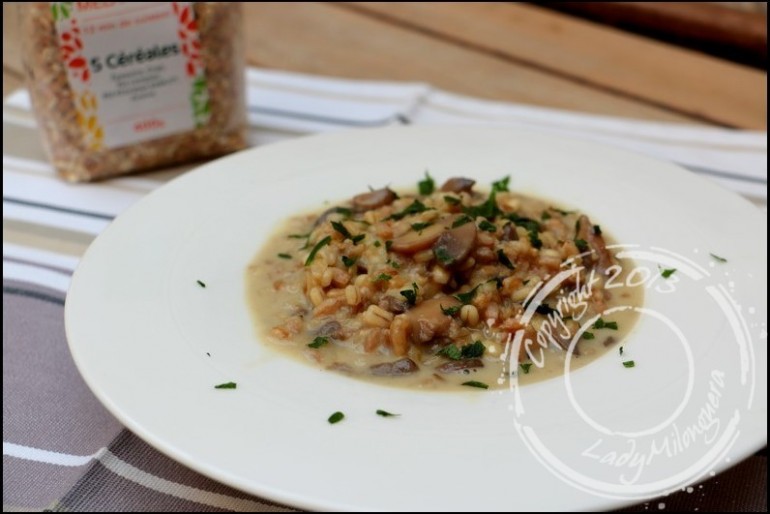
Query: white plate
{"x": 140, "y": 328}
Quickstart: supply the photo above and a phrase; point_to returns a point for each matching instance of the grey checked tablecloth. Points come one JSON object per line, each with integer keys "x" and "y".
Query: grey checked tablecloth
{"x": 63, "y": 451}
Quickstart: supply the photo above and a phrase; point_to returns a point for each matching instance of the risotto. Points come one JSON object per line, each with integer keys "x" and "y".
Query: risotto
{"x": 441, "y": 288}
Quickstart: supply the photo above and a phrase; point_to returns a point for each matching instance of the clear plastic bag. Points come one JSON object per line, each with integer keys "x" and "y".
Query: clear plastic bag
{"x": 123, "y": 87}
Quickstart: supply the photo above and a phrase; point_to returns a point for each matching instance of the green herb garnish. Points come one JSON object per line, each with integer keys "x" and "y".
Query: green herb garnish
{"x": 426, "y": 186}
{"x": 226, "y": 385}
{"x": 581, "y": 245}
{"x": 393, "y": 264}
{"x": 545, "y": 309}
{"x": 348, "y": 261}
{"x": 597, "y": 230}
{"x": 299, "y": 236}
{"x": 410, "y": 294}
{"x": 473, "y": 350}
{"x": 451, "y": 352}
{"x": 450, "y": 311}
{"x": 467, "y": 297}
{"x": 667, "y": 272}
{"x": 487, "y": 226}
{"x": 620, "y": 350}
{"x": 346, "y": 212}
{"x": 501, "y": 185}
{"x": 442, "y": 255}
{"x": 386, "y": 414}
{"x": 532, "y": 227}
{"x": 718, "y": 258}
{"x": 417, "y": 227}
{"x": 475, "y": 383}
{"x": 336, "y": 417}
{"x": 545, "y": 216}
{"x": 319, "y": 342}
{"x": 377, "y": 244}
{"x": 488, "y": 209}
{"x": 588, "y": 335}
{"x": 451, "y": 200}
{"x": 629, "y": 364}
{"x": 201, "y": 283}
{"x": 415, "y": 207}
{"x": 462, "y": 220}
{"x": 498, "y": 282}
{"x": 339, "y": 227}
{"x": 504, "y": 260}
{"x": 600, "y": 323}
{"x": 382, "y": 277}
{"x": 320, "y": 244}
{"x": 525, "y": 367}
{"x": 284, "y": 256}
{"x": 357, "y": 239}
{"x": 388, "y": 244}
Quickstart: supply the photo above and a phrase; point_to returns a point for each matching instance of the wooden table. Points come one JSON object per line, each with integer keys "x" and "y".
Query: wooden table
{"x": 503, "y": 51}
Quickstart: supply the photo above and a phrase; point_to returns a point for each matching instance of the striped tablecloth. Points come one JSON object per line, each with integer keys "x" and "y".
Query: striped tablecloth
{"x": 63, "y": 451}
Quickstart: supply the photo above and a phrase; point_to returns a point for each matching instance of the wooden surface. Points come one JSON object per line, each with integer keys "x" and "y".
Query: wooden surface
{"x": 501, "y": 51}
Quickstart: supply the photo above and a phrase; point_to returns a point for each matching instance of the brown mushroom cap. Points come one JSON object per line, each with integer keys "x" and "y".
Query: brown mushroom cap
{"x": 454, "y": 245}
{"x": 427, "y": 320}
{"x": 373, "y": 199}
{"x": 458, "y": 185}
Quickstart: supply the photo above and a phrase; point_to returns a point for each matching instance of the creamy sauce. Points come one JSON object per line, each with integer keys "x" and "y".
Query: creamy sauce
{"x": 276, "y": 285}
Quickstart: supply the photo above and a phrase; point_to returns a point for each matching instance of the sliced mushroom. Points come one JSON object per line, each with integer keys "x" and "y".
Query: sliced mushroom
{"x": 415, "y": 241}
{"x": 330, "y": 329}
{"x": 325, "y": 215}
{"x": 601, "y": 256}
{"x": 373, "y": 199}
{"x": 460, "y": 366}
{"x": 458, "y": 185}
{"x": 392, "y": 304}
{"x": 510, "y": 233}
{"x": 397, "y": 368}
{"x": 427, "y": 320}
{"x": 454, "y": 245}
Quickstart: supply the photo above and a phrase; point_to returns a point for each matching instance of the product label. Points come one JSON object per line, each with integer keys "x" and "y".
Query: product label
{"x": 134, "y": 68}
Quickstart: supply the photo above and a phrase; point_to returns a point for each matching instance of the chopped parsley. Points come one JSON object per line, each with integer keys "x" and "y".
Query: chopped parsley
{"x": 426, "y": 186}
{"x": 451, "y": 352}
{"x": 320, "y": 244}
{"x": 597, "y": 230}
{"x": 488, "y": 209}
{"x": 545, "y": 216}
{"x": 487, "y": 226}
{"x": 410, "y": 294}
{"x": 600, "y": 323}
{"x": 532, "y": 227}
{"x": 629, "y": 364}
{"x": 525, "y": 367}
{"x": 284, "y": 256}
{"x": 451, "y": 200}
{"x": 394, "y": 264}
{"x": 388, "y": 244}
{"x": 299, "y": 236}
{"x": 665, "y": 273}
{"x": 377, "y": 244}
{"x": 319, "y": 342}
{"x": 357, "y": 239}
{"x": 468, "y": 351}
{"x": 620, "y": 350}
{"x": 545, "y": 309}
{"x": 346, "y": 212}
{"x": 417, "y": 227}
{"x": 415, "y": 207}
{"x": 336, "y": 418}
{"x": 467, "y": 297}
{"x": 718, "y": 258}
{"x": 226, "y": 385}
{"x": 504, "y": 260}
{"x": 462, "y": 220}
{"x": 588, "y": 335}
{"x": 501, "y": 185}
{"x": 201, "y": 283}
{"x": 339, "y": 227}
{"x": 581, "y": 245}
{"x": 450, "y": 311}
{"x": 382, "y": 277}
{"x": 475, "y": 383}
{"x": 442, "y": 255}
{"x": 386, "y": 414}
{"x": 348, "y": 261}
